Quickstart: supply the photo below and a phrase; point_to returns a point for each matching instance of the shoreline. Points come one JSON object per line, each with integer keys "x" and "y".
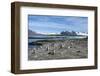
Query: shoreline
{"x": 59, "y": 49}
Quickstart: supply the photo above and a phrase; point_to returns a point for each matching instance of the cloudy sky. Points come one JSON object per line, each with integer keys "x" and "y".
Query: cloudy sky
{"x": 56, "y": 24}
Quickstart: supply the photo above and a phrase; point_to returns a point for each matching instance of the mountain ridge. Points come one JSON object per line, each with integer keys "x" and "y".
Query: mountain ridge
{"x": 67, "y": 33}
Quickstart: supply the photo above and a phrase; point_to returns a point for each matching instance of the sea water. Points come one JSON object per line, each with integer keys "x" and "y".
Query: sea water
{"x": 37, "y": 38}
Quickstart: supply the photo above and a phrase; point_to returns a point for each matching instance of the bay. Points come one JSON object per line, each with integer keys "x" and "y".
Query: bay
{"x": 37, "y": 38}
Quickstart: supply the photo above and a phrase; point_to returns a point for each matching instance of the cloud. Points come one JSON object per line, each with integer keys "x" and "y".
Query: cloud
{"x": 58, "y": 23}
{"x": 48, "y": 24}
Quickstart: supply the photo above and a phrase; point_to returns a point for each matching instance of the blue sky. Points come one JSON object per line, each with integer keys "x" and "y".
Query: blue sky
{"x": 56, "y": 24}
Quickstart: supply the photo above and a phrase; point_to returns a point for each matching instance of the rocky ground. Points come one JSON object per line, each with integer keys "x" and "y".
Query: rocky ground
{"x": 59, "y": 49}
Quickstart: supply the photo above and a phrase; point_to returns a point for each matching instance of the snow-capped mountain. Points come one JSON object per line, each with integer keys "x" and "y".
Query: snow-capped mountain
{"x": 72, "y": 33}
{"x": 77, "y": 33}
{"x": 82, "y": 33}
{"x": 49, "y": 33}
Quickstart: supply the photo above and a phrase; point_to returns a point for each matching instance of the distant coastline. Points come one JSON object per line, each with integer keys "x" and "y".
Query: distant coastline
{"x": 62, "y": 33}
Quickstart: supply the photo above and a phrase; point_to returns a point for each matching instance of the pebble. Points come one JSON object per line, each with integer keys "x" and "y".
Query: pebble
{"x": 35, "y": 56}
{"x": 78, "y": 51}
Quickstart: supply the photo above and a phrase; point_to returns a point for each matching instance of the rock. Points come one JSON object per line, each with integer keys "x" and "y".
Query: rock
{"x": 52, "y": 52}
{"x": 78, "y": 51}
{"x": 63, "y": 45}
{"x": 35, "y": 56}
{"x": 33, "y": 51}
{"x": 69, "y": 47}
{"x": 41, "y": 47}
